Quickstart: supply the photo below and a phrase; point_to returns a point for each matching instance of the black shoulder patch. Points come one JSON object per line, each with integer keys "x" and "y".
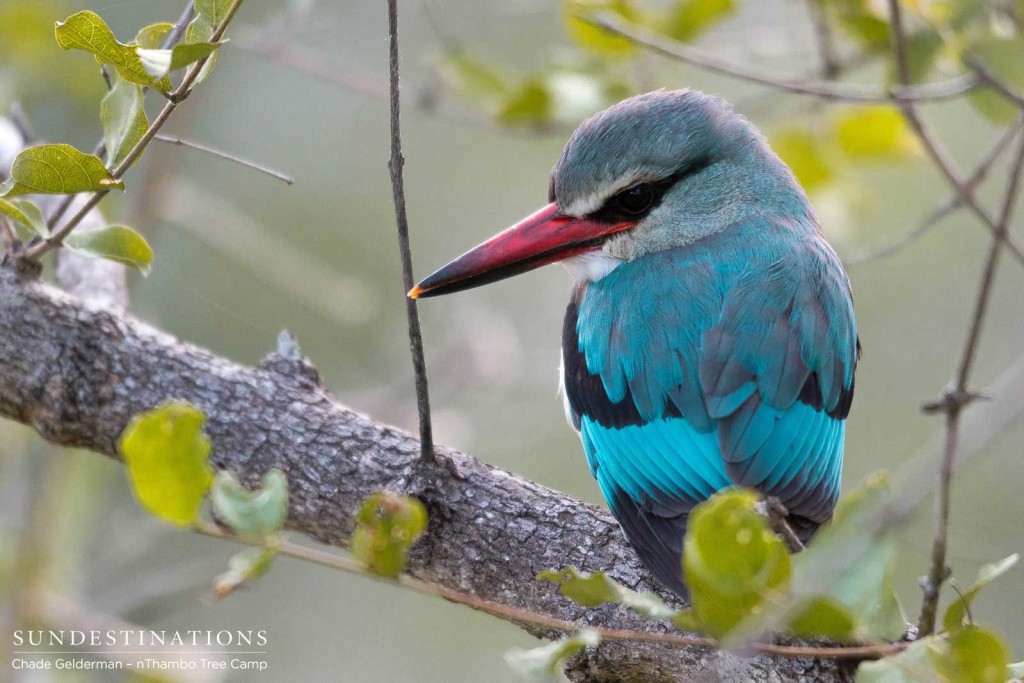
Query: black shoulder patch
{"x": 585, "y": 391}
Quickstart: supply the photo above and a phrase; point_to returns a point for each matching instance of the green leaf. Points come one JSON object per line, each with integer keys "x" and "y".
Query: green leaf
{"x": 57, "y": 169}
{"x": 152, "y": 37}
{"x": 114, "y": 243}
{"x": 592, "y": 590}
{"x": 590, "y": 37}
{"x": 531, "y": 104}
{"x": 123, "y": 115}
{"x": 823, "y": 616}
{"x": 875, "y": 132}
{"x": 957, "y": 610}
{"x": 864, "y": 590}
{"x": 923, "y": 48}
{"x": 732, "y": 561}
{"x": 913, "y": 665}
{"x": 862, "y": 20}
{"x": 214, "y": 11}
{"x": 158, "y": 63}
{"x": 386, "y": 526}
{"x": 26, "y": 214}
{"x": 688, "y": 19}
{"x": 166, "y": 455}
{"x": 200, "y": 30}
{"x": 973, "y": 654}
{"x": 85, "y": 30}
{"x": 547, "y": 662}
{"x": 243, "y": 567}
{"x": 805, "y": 156}
{"x": 1004, "y": 59}
{"x": 473, "y": 81}
{"x": 251, "y": 513}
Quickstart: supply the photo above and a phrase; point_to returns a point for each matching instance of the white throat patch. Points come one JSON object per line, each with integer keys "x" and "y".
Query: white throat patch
{"x": 591, "y": 266}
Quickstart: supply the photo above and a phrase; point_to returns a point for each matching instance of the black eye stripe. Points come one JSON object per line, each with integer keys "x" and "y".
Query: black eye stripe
{"x": 624, "y": 205}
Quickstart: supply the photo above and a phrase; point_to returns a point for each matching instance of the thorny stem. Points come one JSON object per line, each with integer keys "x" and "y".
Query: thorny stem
{"x": 395, "y": 166}
{"x": 957, "y": 397}
{"x": 524, "y": 616}
{"x": 175, "y": 98}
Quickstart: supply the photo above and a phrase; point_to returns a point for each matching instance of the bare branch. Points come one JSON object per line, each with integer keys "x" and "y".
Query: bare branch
{"x": 174, "y": 140}
{"x": 958, "y": 395}
{"x": 829, "y": 90}
{"x": 933, "y": 219}
{"x": 521, "y": 616}
{"x": 395, "y": 166}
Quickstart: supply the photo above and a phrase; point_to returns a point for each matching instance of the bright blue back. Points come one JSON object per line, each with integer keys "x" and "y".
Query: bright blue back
{"x": 727, "y": 361}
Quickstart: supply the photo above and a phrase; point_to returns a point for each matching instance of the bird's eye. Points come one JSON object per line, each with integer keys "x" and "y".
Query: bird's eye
{"x": 635, "y": 200}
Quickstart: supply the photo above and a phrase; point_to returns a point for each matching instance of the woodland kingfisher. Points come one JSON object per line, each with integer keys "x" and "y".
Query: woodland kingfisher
{"x": 710, "y": 338}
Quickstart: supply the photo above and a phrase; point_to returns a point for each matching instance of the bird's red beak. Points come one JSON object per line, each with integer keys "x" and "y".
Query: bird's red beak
{"x": 544, "y": 237}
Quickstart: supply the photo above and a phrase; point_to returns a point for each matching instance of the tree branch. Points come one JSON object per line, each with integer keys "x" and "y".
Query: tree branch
{"x": 77, "y": 373}
{"x": 828, "y": 90}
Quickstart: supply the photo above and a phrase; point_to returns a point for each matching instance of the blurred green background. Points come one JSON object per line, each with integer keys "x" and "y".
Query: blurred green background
{"x": 239, "y": 256}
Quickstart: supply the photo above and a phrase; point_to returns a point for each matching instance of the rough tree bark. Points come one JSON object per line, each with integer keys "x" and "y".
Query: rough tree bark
{"x": 76, "y": 372}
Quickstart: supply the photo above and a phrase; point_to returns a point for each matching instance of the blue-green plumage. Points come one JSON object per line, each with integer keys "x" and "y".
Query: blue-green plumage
{"x": 710, "y": 340}
{"x": 727, "y": 361}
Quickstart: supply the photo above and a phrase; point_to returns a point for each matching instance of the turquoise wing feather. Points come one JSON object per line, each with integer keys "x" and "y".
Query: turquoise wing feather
{"x": 728, "y": 361}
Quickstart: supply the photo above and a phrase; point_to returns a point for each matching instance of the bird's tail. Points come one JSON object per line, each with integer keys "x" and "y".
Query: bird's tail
{"x": 657, "y": 539}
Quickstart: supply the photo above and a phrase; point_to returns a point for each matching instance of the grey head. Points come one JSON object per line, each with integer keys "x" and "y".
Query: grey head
{"x": 681, "y": 161}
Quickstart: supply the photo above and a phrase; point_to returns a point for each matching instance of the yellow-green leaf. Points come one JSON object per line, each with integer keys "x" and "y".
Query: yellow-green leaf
{"x": 914, "y": 665}
{"x": 957, "y": 610}
{"x": 117, "y": 243}
{"x": 166, "y": 454}
{"x": 732, "y": 561}
{"x": 1004, "y": 59}
{"x": 152, "y": 37}
{"x": 57, "y": 169}
{"x": 243, "y": 567}
{"x": 863, "y": 21}
{"x": 974, "y": 654}
{"x": 25, "y": 214}
{"x": 805, "y": 156}
{"x": 200, "y": 30}
{"x": 87, "y": 31}
{"x": 875, "y": 131}
{"x": 251, "y": 513}
{"x": 592, "y": 38}
{"x": 473, "y": 81}
{"x": 592, "y": 590}
{"x": 531, "y": 104}
{"x": 823, "y": 616}
{"x": 214, "y": 11}
{"x": 864, "y": 590}
{"x": 123, "y": 115}
{"x": 547, "y": 662}
{"x": 158, "y": 63}
{"x": 688, "y": 19}
{"x": 386, "y": 526}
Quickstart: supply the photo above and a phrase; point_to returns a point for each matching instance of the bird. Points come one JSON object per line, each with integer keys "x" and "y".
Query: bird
{"x": 710, "y": 340}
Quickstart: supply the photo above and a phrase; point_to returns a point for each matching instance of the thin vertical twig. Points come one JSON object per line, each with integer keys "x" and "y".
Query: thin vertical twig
{"x": 957, "y": 396}
{"x": 830, "y": 65}
{"x": 395, "y": 166}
